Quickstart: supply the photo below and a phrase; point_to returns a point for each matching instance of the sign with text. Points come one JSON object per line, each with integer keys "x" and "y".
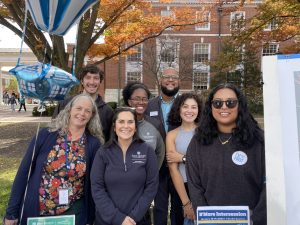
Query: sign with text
{"x": 52, "y": 220}
{"x": 223, "y": 215}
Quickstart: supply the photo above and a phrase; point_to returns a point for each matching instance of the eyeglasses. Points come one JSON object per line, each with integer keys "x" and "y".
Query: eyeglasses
{"x": 230, "y": 103}
{"x": 169, "y": 77}
{"x": 137, "y": 100}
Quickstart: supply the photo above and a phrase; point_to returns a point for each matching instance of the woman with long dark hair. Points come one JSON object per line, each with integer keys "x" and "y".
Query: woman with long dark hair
{"x": 124, "y": 175}
{"x": 226, "y": 157}
{"x": 185, "y": 114}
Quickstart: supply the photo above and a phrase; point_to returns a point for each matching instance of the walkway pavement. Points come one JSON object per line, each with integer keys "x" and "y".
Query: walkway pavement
{"x": 7, "y": 116}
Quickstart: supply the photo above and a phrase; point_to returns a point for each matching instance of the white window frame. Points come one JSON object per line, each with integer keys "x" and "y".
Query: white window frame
{"x": 237, "y": 15}
{"x": 139, "y": 73}
{"x": 160, "y": 48}
{"x": 271, "y": 26}
{"x": 195, "y": 49}
{"x": 205, "y": 25}
{"x": 268, "y": 48}
{"x": 138, "y": 54}
{"x": 200, "y": 83}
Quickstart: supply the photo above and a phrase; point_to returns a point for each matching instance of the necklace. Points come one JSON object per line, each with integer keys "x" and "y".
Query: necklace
{"x": 226, "y": 141}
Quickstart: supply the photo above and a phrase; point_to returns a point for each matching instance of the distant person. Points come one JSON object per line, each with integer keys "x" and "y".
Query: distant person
{"x": 226, "y": 157}
{"x": 184, "y": 113}
{"x": 5, "y": 98}
{"x": 61, "y": 166}
{"x": 159, "y": 108}
{"x": 22, "y": 103}
{"x": 124, "y": 175}
{"x": 13, "y": 101}
{"x": 90, "y": 78}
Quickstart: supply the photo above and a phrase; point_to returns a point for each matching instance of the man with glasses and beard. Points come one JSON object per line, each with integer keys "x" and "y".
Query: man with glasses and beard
{"x": 159, "y": 108}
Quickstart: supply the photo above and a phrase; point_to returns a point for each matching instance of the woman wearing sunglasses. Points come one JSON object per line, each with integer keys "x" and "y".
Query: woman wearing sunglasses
{"x": 226, "y": 157}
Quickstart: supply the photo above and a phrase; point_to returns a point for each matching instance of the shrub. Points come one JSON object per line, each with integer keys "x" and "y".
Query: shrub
{"x": 49, "y": 109}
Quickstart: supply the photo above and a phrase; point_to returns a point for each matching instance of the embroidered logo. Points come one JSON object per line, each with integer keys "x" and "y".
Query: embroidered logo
{"x": 138, "y": 158}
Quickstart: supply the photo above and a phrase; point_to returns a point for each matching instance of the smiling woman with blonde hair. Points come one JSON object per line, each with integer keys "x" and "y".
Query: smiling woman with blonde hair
{"x": 55, "y": 170}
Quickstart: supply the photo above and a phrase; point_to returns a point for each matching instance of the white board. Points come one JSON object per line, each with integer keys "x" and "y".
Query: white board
{"x": 281, "y": 77}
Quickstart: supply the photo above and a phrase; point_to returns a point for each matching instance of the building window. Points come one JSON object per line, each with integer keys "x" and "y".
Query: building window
{"x": 237, "y": 21}
{"x": 137, "y": 55}
{"x": 134, "y": 76}
{"x": 200, "y": 80}
{"x": 204, "y": 18}
{"x": 272, "y": 25}
{"x": 201, "y": 52}
{"x": 270, "y": 49}
{"x": 167, "y": 13}
{"x": 169, "y": 51}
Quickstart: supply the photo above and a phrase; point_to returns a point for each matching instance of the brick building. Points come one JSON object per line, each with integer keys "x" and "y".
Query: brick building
{"x": 187, "y": 50}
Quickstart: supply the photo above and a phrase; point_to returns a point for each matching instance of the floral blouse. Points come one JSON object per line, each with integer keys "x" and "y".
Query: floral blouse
{"x": 64, "y": 169}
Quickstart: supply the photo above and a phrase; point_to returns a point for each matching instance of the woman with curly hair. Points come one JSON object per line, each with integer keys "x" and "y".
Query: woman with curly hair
{"x": 55, "y": 170}
{"x": 184, "y": 114}
{"x": 226, "y": 157}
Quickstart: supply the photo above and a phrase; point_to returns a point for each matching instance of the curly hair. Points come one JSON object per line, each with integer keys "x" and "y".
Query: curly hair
{"x": 247, "y": 129}
{"x": 62, "y": 121}
{"x": 91, "y": 68}
{"x": 113, "y": 135}
{"x": 174, "y": 118}
{"x": 131, "y": 87}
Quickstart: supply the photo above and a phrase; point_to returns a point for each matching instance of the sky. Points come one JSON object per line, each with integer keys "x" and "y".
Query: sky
{"x": 10, "y": 40}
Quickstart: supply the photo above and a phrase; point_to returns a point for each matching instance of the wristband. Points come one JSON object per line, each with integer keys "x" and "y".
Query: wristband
{"x": 183, "y": 206}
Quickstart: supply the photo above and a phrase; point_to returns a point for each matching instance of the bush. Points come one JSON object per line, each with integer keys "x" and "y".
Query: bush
{"x": 48, "y": 112}
{"x": 113, "y": 105}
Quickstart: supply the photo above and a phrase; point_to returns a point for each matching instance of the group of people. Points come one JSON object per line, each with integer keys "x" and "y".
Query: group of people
{"x": 13, "y": 99}
{"x": 107, "y": 167}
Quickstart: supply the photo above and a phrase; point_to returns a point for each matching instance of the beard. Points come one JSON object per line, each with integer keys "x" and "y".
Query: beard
{"x": 168, "y": 92}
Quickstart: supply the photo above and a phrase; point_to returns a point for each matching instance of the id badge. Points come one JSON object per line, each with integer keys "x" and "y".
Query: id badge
{"x": 63, "y": 196}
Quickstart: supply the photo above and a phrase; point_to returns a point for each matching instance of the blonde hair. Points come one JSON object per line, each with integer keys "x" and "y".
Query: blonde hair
{"x": 61, "y": 123}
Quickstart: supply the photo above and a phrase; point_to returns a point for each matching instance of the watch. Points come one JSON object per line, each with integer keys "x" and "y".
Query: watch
{"x": 184, "y": 159}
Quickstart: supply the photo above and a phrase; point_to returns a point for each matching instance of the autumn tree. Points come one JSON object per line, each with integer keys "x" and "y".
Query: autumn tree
{"x": 240, "y": 66}
{"x": 275, "y": 21}
{"x": 124, "y": 23}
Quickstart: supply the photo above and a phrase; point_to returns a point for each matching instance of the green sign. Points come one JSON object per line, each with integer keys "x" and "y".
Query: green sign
{"x": 52, "y": 220}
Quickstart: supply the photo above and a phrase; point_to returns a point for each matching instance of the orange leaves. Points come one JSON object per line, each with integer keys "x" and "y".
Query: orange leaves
{"x": 130, "y": 22}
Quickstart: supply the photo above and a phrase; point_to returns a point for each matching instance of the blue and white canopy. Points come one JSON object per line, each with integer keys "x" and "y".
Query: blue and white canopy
{"x": 57, "y": 16}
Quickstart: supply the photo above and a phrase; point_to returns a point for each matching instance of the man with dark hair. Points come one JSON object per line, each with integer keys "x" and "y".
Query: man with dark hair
{"x": 90, "y": 79}
{"x": 159, "y": 108}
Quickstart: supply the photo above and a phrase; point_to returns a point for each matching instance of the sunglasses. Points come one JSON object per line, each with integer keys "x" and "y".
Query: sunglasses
{"x": 230, "y": 103}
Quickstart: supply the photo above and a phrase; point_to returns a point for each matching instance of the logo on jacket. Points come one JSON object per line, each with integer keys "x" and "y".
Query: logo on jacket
{"x": 138, "y": 157}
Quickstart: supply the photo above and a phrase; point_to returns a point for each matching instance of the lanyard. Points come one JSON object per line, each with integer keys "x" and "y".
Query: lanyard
{"x": 67, "y": 148}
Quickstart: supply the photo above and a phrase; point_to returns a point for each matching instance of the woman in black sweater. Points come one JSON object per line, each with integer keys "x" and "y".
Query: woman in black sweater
{"x": 226, "y": 158}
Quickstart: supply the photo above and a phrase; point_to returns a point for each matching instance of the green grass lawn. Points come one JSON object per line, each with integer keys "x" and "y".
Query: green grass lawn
{"x": 8, "y": 168}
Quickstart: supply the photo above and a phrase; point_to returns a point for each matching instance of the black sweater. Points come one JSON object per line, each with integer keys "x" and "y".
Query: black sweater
{"x": 216, "y": 179}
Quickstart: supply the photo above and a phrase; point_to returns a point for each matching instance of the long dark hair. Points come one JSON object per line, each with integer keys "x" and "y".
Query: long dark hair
{"x": 113, "y": 135}
{"x": 247, "y": 129}
{"x": 131, "y": 87}
{"x": 174, "y": 118}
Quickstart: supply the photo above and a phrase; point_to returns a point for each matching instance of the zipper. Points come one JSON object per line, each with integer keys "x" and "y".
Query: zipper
{"x": 125, "y": 166}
